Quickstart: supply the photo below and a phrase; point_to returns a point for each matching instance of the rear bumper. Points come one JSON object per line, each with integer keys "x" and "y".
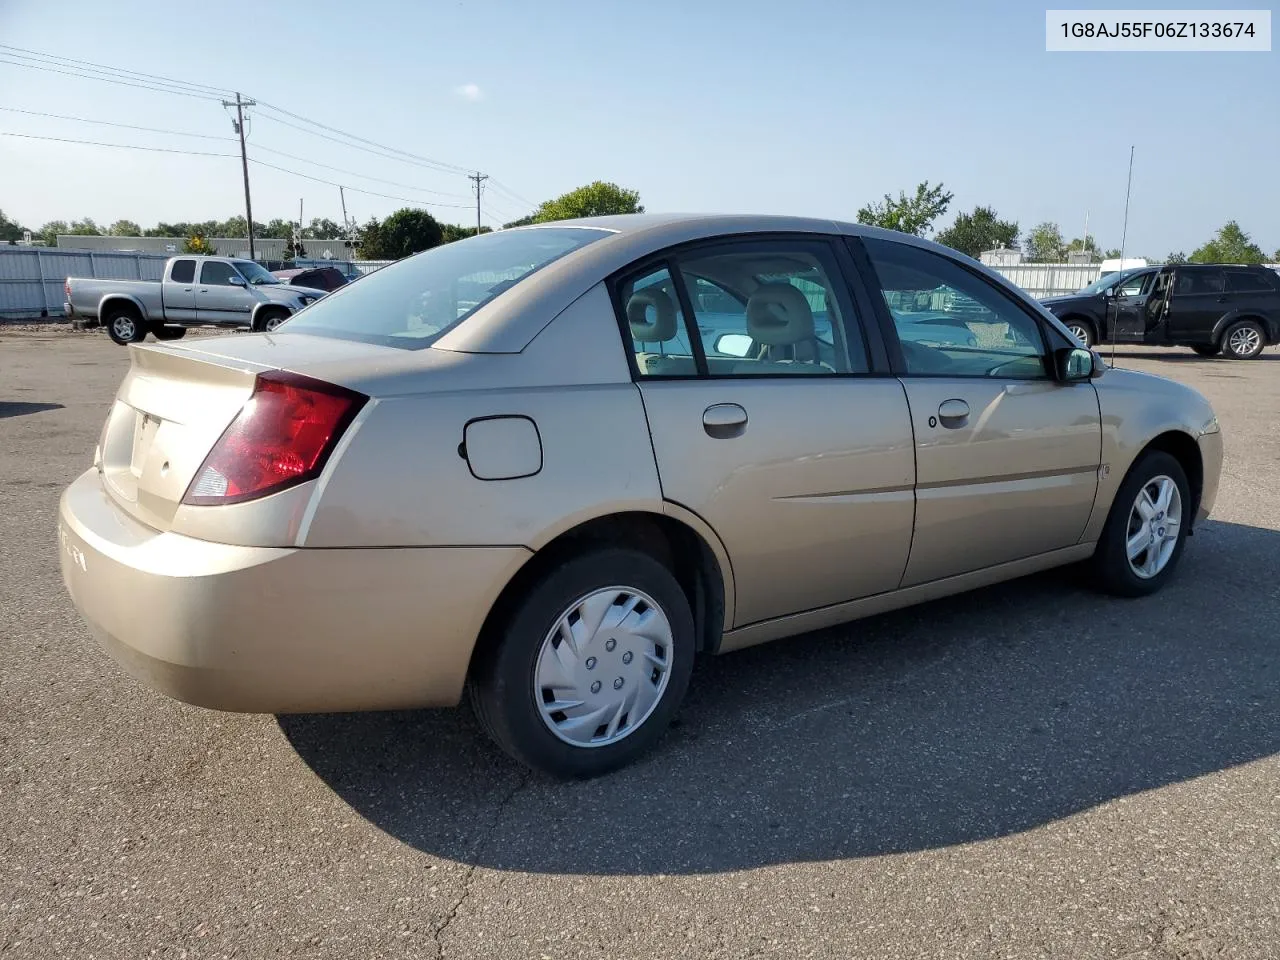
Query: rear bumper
{"x": 277, "y": 630}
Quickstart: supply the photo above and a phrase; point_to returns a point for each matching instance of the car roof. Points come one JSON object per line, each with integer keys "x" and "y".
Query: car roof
{"x": 511, "y": 320}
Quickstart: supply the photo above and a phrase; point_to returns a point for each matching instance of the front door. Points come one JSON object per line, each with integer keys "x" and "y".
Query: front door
{"x": 773, "y": 430}
{"x": 1127, "y": 307}
{"x": 219, "y": 299}
{"x": 1007, "y": 458}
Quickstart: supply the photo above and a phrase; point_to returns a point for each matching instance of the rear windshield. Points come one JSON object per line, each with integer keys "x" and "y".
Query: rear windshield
{"x": 413, "y": 302}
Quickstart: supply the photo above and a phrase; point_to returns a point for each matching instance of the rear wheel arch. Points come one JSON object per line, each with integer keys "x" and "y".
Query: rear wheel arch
{"x": 673, "y": 543}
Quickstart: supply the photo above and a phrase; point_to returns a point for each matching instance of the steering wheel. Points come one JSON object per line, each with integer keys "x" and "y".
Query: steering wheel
{"x": 922, "y": 359}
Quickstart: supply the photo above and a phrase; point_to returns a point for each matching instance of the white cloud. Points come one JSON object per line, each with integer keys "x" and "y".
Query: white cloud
{"x": 469, "y": 91}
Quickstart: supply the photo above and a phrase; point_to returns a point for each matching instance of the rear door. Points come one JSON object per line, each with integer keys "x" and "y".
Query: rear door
{"x": 179, "y": 291}
{"x": 220, "y": 298}
{"x": 1007, "y": 457}
{"x": 1196, "y": 304}
{"x": 769, "y": 420}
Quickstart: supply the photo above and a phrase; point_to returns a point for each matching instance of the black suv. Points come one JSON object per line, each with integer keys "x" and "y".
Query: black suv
{"x": 1210, "y": 308}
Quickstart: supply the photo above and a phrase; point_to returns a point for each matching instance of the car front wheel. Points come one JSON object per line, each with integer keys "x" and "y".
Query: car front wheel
{"x": 588, "y": 669}
{"x": 1146, "y": 529}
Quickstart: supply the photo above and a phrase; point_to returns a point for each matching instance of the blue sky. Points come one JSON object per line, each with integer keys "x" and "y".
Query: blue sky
{"x": 811, "y": 107}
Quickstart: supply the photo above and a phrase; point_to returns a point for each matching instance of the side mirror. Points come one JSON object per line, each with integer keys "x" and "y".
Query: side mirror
{"x": 733, "y": 344}
{"x": 236, "y": 280}
{"x": 1076, "y": 363}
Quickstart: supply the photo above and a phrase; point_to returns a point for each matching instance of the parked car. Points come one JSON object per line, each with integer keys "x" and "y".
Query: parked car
{"x": 317, "y": 278}
{"x": 194, "y": 291}
{"x": 558, "y": 495}
{"x": 1211, "y": 308}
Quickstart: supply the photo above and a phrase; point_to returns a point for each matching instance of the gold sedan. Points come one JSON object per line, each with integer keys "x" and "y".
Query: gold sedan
{"x": 551, "y": 465}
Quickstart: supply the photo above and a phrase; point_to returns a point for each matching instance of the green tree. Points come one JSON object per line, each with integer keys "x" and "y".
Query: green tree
{"x": 124, "y": 228}
{"x": 1176, "y": 257}
{"x": 276, "y": 229}
{"x": 369, "y": 240}
{"x": 1229, "y": 245}
{"x": 10, "y": 229}
{"x": 522, "y": 222}
{"x": 1275, "y": 258}
{"x": 84, "y": 228}
{"x": 1086, "y": 245}
{"x": 1111, "y": 254}
{"x": 596, "y": 199}
{"x": 451, "y": 231}
{"x": 49, "y": 232}
{"x": 1045, "y": 244}
{"x": 322, "y": 228}
{"x": 405, "y": 232}
{"x": 972, "y": 233}
{"x": 914, "y": 215}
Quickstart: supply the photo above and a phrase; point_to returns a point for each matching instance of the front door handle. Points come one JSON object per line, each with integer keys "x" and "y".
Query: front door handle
{"x": 953, "y": 413}
{"x": 1222, "y": 299}
{"x": 723, "y": 421}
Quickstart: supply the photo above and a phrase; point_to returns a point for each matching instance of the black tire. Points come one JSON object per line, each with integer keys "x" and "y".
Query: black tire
{"x": 1206, "y": 349}
{"x": 502, "y": 681}
{"x": 124, "y": 325}
{"x": 1111, "y": 567}
{"x": 169, "y": 333}
{"x": 1082, "y": 329}
{"x": 1243, "y": 340}
{"x": 269, "y": 319}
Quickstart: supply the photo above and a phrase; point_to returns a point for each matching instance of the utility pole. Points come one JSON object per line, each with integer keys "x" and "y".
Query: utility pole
{"x": 479, "y": 179}
{"x": 343, "y": 197}
{"x": 347, "y": 232}
{"x": 240, "y": 104}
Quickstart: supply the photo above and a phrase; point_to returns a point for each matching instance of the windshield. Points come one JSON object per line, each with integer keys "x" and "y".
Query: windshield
{"x": 255, "y": 273}
{"x": 412, "y": 302}
{"x": 1105, "y": 282}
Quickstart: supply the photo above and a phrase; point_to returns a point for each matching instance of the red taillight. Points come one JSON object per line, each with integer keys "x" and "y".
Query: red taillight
{"x": 281, "y": 437}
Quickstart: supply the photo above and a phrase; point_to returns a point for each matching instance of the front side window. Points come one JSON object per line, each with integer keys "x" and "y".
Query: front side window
{"x": 413, "y": 302}
{"x": 215, "y": 273}
{"x": 256, "y": 273}
{"x": 1133, "y": 286}
{"x": 951, "y": 322}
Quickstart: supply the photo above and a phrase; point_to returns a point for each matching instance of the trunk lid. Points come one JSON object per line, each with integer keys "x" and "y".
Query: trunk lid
{"x": 170, "y": 410}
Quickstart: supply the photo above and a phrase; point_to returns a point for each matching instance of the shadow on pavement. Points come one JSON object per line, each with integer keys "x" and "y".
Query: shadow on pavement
{"x": 17, "y": 408}
{"x": 966, "y": 719}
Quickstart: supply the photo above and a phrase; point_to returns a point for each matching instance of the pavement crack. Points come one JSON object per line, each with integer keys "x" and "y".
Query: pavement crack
{"x": 437, "y": 934}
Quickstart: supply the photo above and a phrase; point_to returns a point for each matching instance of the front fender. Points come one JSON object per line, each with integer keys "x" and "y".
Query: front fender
{"x": 259, "y": 308}
{"x": 1137, "y": 408}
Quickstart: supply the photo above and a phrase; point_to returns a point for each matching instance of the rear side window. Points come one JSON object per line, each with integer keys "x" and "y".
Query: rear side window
{"x": 184, "y": 271}
{"x": 413, "y": 302}
{"x": 1248, "y": 281}
{"x": 1192, "y": 282}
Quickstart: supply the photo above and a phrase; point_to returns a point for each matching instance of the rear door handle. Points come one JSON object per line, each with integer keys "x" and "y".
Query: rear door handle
{"x": 953, "y": 413}
{"x": 1222, "y": 299}
{"x": 723, "y": 421}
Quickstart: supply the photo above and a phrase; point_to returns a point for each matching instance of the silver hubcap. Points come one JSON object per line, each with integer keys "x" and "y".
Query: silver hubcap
{"x": 1245, "y": 341}
{"x": 272, "y": 323}
{"x": 124, "y": 327}
{"x": 1079, "y": 332}
{"x": 1154, "y": 524}
{"x": 603, "y": 667}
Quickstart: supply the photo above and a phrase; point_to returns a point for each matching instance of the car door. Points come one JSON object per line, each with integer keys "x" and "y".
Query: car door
{"x": 1197, "y": 302}
{"x": 1007, "y": 457}
{"x": 772, "y": 426}
{"x": 179, "y": 291}
{"x": 222, "y": 295}
{"x": 1127, "y": 300}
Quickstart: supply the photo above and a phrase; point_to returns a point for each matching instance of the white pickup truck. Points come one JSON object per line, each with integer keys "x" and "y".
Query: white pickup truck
{"x": 195, "y": 292}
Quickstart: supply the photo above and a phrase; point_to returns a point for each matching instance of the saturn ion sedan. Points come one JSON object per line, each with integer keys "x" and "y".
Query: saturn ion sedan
{"x": 552, "y": 465}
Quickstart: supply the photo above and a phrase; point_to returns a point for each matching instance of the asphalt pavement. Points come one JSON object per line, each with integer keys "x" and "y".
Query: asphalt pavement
{"x": 1031, "y": 770}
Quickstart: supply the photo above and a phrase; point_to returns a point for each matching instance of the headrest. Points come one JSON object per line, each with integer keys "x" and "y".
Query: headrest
{"x": 778, "y": 314}
{"x": 652, "y": 316}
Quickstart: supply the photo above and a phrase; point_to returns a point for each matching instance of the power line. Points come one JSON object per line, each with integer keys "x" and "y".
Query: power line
{"x": 503, "y": 188}
{"x": 123, "y": 83}
{"x": 363, "y": 176}
{"x": 121, "y": 146}
{"x": 109, "y": 123}
{"x": 438, "y": 164}
{"x": 26, "y": 54}
{"x": 347, "y": 186}
{"x": 343, "y": 143}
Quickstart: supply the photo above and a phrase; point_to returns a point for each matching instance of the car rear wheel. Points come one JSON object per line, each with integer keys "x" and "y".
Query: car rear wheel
{"x": 1243, "y": 340}
{"x": 1082, "y": 330}
{"x": 1206, "y": 349}
{"x": 590, "y": 666}
{"x": 169, "y": 333}
{"x": 1146, "y": 529}
{"x": 124, "y": 326}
